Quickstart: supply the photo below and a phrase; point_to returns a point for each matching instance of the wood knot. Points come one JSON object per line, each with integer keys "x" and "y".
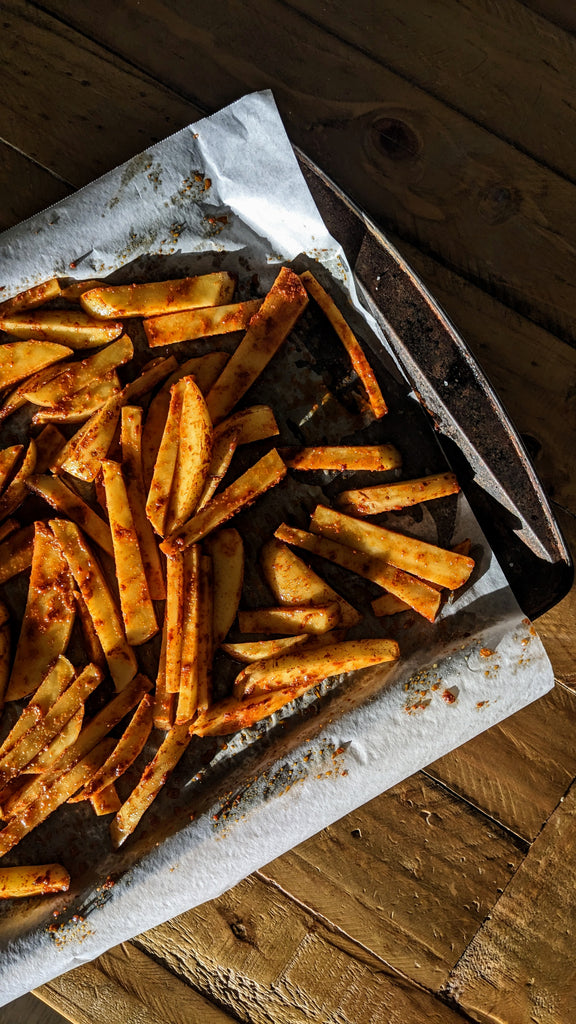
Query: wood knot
{"x": 239, "y": 930}
{"x": 395, "y": 139}
{"x": 497, "y": 203}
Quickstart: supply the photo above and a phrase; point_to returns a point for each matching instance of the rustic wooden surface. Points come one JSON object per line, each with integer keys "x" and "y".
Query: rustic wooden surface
{"x": 449, "y": 898}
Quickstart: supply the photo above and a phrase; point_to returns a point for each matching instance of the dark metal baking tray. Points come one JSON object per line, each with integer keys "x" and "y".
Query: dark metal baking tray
{"x": 472, "y": 426}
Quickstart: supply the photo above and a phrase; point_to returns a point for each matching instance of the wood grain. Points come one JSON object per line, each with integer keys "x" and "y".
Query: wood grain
{"x": 256, "y": 951}
{"x": 383, "y": 873}
{"x": 29, "y": 1010}
{"x": 128, "y": 987}
{"x": 520, "y": 966}
{"x": 439, "y": 179}
{"x": 557, "y": 628}
{"x": 558, "y": 12}
{"x": 26, "y": 187}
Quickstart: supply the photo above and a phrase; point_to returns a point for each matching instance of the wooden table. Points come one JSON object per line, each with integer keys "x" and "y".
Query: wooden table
{"x": 451, "y": 897}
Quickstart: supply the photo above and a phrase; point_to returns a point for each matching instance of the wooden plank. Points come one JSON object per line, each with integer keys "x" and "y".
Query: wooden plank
{"x": 439, "y": 179}
{"x": 127, "y": 986}
{"x": 29, "y": 1010}
{"x": 25, "y": 187}
{"x": 520, "y": 966}
{"x": 259, "y": 954}
{"x": 72, "y": 108}
{"x": 519, "y": 770}
{"x": 490, "y": 61}
{"x": 556, "y": 11}
{"x": 383, "y": 871}
{"x": 532, "y": 370}
{"x": 557, "y": 628}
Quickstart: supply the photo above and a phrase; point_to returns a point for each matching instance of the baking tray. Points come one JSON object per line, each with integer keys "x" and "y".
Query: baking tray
{"x": 480, "y": 441}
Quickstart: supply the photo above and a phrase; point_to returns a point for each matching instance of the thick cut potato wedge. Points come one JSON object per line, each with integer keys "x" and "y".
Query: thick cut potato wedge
{"x": 92, "y": 644}
{"x": 389, "y": 604}
{"x": 268, "y": 329}
{"x": 16, "y": 491}
{"x": 200, "y": 323}
{"x": 67, "y": 327}
{"x": 91, "y": 734}
{"x": 302, "y": 619}
{"x": 33, "y": 880}
{"x": 428, "y": 562}
{"x": 9, "y": 459}
{"x": 57, "y": 679}
{"x": 253, "y": 424}
{"x": 72, "y": 292}
{"x": 193, "y": 456}
{"x": 259, "y": 650}
{"x": 68, "y": 735}
{"x": 84, "y": 453}
{"x": 263, "y": 475}
{"x": 374, "y": 457}
{"x": 131, "y": 445}
{"x": 205, "y": 633}
{"x": 293, "y": 582}
{"x": 20, "y": 359}
{"x": 164, "y": 701}
{"x": 48, "y": 617}
{"x": 135, "y": 602}
{"x": 190, "y": 664}
{"x": 129, "y": 746}
{"x": 370, "y": 501}
{"x": 155, "y": 776}
{"x": 159, "y": 297}
{"x": 82, "y": 405}
{"x": 74, "y": 377}
{"x": 226, "y": 550}
{"x": 174, "y": 621}
{"x": 32, "y": 297}
{"x": 61, "y": 498}
{"x": 234, "y": 713}
{"x": 421, "y": 596}
{"x": 106, "y": 801}
{"x": 224, "y": 446}
{"x": 103, "y": 610}
{"x": 311, "y": 667}
{"x": 16, "y": 553}
{"x": 53, "y": 797}
{"x": 205, "y": 370}
{"x": 49, "y": 442}
{"x": 350, "y": 342}
{"x": 158, "y": 500}
{"x": 153, "y": 373}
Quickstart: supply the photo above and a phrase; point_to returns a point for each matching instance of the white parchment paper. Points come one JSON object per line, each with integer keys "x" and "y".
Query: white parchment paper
{"x": 230, "y": 187}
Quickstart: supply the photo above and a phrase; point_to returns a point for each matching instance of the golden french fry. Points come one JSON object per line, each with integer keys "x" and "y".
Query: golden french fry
{"x": 174, "y": 621}
{"x": 311, "y": 667}
{"x": 68, "y": 735}
{"x": 57, "y": 679}
{"x": 53, "y": 797}
{"x": 226, "y": 550}
{"x": 427, "y": 561}
{"x": 40, "y": 735}
{"x": 200, "y": 323}
{"x": 135, "y": 602}
{"x": 372, "y": 457}
{"x": 69, "y": 327}
{"x": 74, "y": 377}
{"x": 20, "y": 359}
{"x": 129, "y": 746}
{"x": 131, "y": 445}
{"x": 193, "y": 455}
{"x": 370, "y": 501}
{"x": 421, "y": 596}
{"x": 303, "y": 619}
{"x": 350, "y": 342}
{"x": 91, "y": 734}
{"x": 103, "y": 610}
{"x": 154, "y": 776}
{"x": 48, "y": 617}
{"x": 82, "y": 405}
{"x": 16, "y": 490}
{"x": 16, "y": 553}
{"x": 33, "y": 880}
{"x": 223, "y": 450}
{"x": 60, "y": 497}
{"x": 106, "y": 801}
{"x": 159, "y": 297}
{"x": 73, "y": 291}
{"x": 253, "y": 424}
{"x": 235, "y": 713}
{"x": 205, "y": 633}
{"x": 389, "y": 604}
{"x": 163, "y": 479}
{"x": 205, "y": 370}
{"x": 153, "y": 373}
{"x": 263, "y": 475}
{"x": 92, "y": 644}
{"x": 190, "y": 655}
{"x": 164, "y": 701}
{"x": 293, "y": 582}
{"x": 259, "y": 650}
{"x": 84, "y": 453}
{"x": 268, "y": 329}
{"x": 32, "y": 297}
{"x": 49, "y": 442}
{"x": 9, "y": 458}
